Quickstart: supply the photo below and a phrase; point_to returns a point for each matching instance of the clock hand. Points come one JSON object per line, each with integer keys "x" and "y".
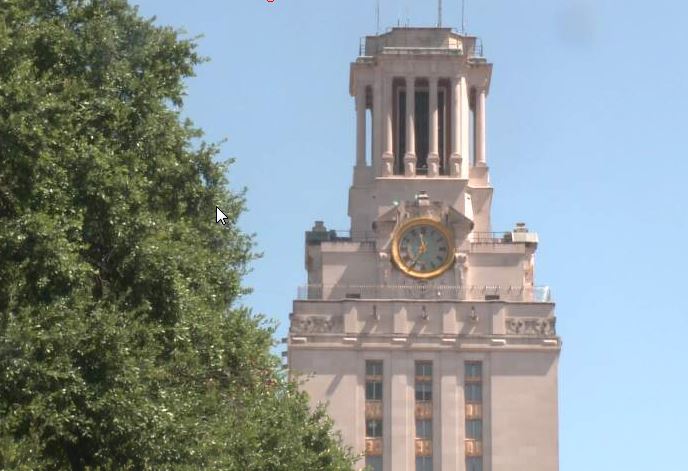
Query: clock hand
{"x": 421, "y": 251}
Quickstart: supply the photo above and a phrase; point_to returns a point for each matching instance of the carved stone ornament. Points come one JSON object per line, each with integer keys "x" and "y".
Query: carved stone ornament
{"x": 315, "y": 324}
{"x": 461, "y": 258}
{"x": 430, "y": 209}
{"x": 531, "y": 326}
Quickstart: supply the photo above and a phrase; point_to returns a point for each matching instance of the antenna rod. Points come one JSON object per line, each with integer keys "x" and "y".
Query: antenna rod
{"x": 463, "y": 16}
{"x": 439, "y": 13}
{"x": 377, "y": 14}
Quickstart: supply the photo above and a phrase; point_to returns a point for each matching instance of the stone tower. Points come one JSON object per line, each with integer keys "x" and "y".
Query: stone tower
{"x": 422, "y": 329}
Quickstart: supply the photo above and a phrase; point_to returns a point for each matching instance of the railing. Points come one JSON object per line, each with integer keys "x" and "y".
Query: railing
{"x": 332, "y": 235}
{"x": 491, "y": 237}
{"x": 534, "y": 294}
{"x": 477, "y": 50}
{"x": 345, "y": 235}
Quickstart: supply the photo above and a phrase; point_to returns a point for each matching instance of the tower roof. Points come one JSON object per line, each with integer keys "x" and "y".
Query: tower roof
{"x": 430, "y": 40}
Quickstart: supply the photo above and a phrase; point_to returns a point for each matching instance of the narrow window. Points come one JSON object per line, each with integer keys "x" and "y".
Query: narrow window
{"x": 401, "y": 131}
{"x": 423, "y": 387}
{"x": 424, "y": 463}
{"x": 424, "y": 429}
{"x": 369, "y": 137}
{"x": 423, "y": 391}
{"x": 373, "y": 414}
{"x": 373, "y": 428}
{"x": 441, "y": 110}
{"x": 472, "y": 128}
{"x": 473, "y": 393}
{"x": 422, "y": 124}
{"x": 374, "y": 463}
{"x": 474, "y": 464}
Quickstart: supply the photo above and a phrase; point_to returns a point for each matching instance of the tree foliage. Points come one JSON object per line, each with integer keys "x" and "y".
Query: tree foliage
{"x": 121, "y": 345}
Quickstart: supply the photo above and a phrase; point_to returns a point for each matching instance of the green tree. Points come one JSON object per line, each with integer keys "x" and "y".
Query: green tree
{"x": 121, "y": 344}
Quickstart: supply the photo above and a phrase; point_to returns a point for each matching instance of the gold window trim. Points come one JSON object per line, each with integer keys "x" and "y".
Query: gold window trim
{"x": 423, "y": 447}
{"x": 473, "y": 447}
{"x": 423, "y": 410}
{"x": 373, "y": 410}
{"x": 373, "y": 447}
{"x": 474, "y": 410}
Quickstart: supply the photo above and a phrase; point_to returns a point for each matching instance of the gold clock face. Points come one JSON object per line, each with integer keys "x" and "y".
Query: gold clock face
{"x": 422, "y": 248}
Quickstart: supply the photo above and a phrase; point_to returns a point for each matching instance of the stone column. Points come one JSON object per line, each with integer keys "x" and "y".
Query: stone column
{"x": 465, "y": 129}
{"x": 457, "y": 123}
{"x": 480, "y": 129}
{"x": 387, "y": 146}
{"x": 410, "y": 157}
{"x": 452, "y": 416}
{"x": 401, "y": 421}
{"x": 361, "y": 126}
{"x": 434, "y": 153}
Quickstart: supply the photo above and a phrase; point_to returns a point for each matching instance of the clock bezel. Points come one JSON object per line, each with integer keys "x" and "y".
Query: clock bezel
{"x": 423, "y": 221}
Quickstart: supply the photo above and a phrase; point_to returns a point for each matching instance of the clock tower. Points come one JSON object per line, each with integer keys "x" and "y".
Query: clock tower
{"x": 422, "y": 329}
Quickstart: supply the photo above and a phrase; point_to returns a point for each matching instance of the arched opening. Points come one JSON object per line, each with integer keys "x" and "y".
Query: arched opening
{"x": 472, "y": 126}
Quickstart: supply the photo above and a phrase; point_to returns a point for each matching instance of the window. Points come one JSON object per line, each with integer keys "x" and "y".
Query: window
{"x": 373, "y": 390}
{"x": 423, "y": 381}
{"x": 474, "y": 370}
{"x": 474, "y": 392}
{"x": 373, "y": 368}
{"x": 373, "y": 428}
{"x": 472, "y": 127}
{"x": 422, "y": 125}
{"x": 423, "y": 387}
{"x": 423, "y": 463}
{"x": 424, "y": 368}
{"x": 474, "y": 429}
{"x": 441, "y": 129}
{"x": 373, "y": 380}
{"x": 374, "y": 463}
{"x": 474, "y": 464}
{"x": 424, "y": 429}
{"x": 373, "y": 414}
{"x": 401, "y": 131}
{"x": 423, "y": 391}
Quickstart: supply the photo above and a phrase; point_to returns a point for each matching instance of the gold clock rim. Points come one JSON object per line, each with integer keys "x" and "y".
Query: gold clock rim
{"x": 423, "y": 221}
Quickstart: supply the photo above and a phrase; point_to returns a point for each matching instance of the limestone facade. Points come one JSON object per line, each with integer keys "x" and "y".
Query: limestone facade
{"x": 454, "y": 372}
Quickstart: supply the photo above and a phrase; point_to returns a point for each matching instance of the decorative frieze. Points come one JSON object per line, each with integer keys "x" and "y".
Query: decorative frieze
{"x": 531, "y": 326}
{"x": 373, "y": 447}
{"x": 423, "y": 447}
{"x": 474, "y": 447}
{"x": 316, "y": 324}
{"x": 373, "y": 410}
{"x": 423, "y": 410}
{"x": 474, "y": 411}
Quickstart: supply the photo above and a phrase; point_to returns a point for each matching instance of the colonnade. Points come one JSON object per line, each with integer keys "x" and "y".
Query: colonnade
{"x": 383, "y": 99}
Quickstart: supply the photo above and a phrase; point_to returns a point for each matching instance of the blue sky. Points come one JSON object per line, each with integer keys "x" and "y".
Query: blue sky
{"x": 587, "y": 122}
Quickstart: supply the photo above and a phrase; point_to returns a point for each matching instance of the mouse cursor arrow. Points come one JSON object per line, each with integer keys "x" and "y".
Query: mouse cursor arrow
{"x": 220, "y": 216}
